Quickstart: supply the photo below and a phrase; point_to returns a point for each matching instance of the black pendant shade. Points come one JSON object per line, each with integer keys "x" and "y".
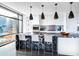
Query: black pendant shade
{"x": 31, "y": 16}
{"x": 42, "y": 16}
{"x": 56, "y": 15}
{"x": 71, "y": 15}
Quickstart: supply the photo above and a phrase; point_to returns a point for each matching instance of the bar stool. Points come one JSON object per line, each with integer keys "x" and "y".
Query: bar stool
{"x": 20, "y": 43}
{"x": 17, "y": 42}
{"x": 48, "y": 44}
{"x": 55, "y": 45}
{"x": 35, "y": 44}
{"x": 41, "y": 45}
{"x": 28, "y": 44}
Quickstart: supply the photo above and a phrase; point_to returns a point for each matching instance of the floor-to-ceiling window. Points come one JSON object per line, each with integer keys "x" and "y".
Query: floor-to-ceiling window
{"x": 11, "y": 23}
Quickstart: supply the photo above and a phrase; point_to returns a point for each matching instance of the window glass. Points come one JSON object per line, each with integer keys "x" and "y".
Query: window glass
{"x": 8, "y": 26}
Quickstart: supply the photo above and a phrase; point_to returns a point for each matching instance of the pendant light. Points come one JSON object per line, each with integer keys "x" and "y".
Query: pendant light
{"x": 31, "y": 16}
{"x": 71, "y": 15}
{"x": 42, "y": 14}
{"x": 56, "y": 14}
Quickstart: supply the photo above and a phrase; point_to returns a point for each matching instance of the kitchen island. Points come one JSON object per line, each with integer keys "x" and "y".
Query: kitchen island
{"x": 68, "y": 46}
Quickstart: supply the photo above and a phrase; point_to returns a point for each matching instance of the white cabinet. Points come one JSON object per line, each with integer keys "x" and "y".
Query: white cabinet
{"x": 68, "y": 46}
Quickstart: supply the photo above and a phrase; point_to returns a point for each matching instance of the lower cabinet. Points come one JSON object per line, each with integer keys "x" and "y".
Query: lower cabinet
{"x": 68, "y": 46}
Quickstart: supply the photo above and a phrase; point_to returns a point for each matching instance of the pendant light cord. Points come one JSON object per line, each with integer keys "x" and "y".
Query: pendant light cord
{"x": 71, "y": 5}
{"x": 56, "y": 14}
{"x": 56, "y": 6}
{"x": 42, "y": 8}
{"x": 71, "y": 15}
{"x": 30, "y": 9}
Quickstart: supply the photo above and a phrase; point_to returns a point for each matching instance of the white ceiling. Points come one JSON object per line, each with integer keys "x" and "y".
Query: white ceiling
{"x": 49, "y": 8}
